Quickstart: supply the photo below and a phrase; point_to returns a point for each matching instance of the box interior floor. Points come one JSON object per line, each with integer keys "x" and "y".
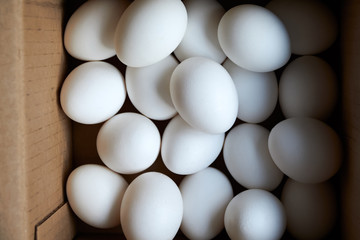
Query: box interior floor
{"x": 39, "y": 145}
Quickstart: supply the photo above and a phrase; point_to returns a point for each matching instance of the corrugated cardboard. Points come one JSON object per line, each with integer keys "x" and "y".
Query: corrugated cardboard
{"x": 35, "y": 134}
{"x": 36, "y": 137}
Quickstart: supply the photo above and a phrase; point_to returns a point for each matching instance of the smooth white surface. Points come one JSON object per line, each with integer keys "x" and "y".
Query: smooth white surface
{"x": 95, "y": 194}
{"x": 89, "y": 33}
{"x": 93, "y": 92}
{"x": 246, "y": 155}
{"x": 305, "y": 149}
{"x": 152, "y": 208}
{"x": 204, "y": 94}
{"x": 308, "y": 88}
{"x": 148, "y": 88}
{"x": 128, "y": 143}
{"x": 311, "y": 25}
{"x": 149, "y": 31}
{"x": 311, "y": 209}
{"x": 255, "y": 214}
{"x": 254, "y": 38}
{"x": 257, "y": 92}
{"x": 206, "y": 195}
{"x": 200, "y": 39}
{"x": 186, "y": 150}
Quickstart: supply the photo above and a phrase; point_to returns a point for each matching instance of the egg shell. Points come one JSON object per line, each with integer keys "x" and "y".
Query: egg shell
{"x": 305, "y": 149}
{"x": 186, "y": 150}
{"x": 311, "y": 209}
{"x": 200, "y": 39}
{"x": 148, "y": 88}
{"x": 311, "y": 25}
{"x": 255, "y": 214}
{"x": 206, "y": 195}
{"x": 95, "y": 194}
{"x": 149, "y": 31}
{"x": 89, "y": 33}
{"x": 247, "y": 157}
{"x": 128, "y": 143}
{"x": 302, "y": 82}
{"x": 257, "y": 92}
{"x": 254, "y": 38}
{"x": 204, "y": 94}
{"x": 93, "y": 92}
{"x": 152, "y": 208}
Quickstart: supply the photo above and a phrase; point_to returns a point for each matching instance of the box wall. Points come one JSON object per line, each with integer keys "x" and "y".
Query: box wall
{"x": 36, "y": 142}
{"x": 12, "y": 202}
{"x": 351, "y": 113}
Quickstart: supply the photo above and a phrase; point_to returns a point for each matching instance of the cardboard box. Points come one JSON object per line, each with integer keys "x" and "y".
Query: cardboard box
{"x": 39, "y": 144}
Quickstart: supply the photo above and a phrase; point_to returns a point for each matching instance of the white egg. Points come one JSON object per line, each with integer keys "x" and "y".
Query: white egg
{"x": 311, "y": 25}
{"x": 247, "y": 157}
{"x": 128, "y": 143}
{"x": 305, "y": 149}
{"x": 89, "y": 33}
{"x": 255, "y": 214}
{"x": 206, "y": 195}
{"x": 95, "y": 194}
{"x": 311, "y": 209}
{"x": 200, "y": 39}
{"x": 149, "y": 31}
{"x": 254, "y": 38}
{"x": 152, "y": 208}
{"x": 308, "y": 88}
{"x": 148, "y": 88}
{"x": 204, "y": 94}
{"x": 93, "y": 92}
{"x": 257, "y": 92}
{"x": 186, "y": 150}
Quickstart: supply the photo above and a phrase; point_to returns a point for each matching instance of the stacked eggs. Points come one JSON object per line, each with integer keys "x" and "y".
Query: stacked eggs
{"x": 214, "y": 77}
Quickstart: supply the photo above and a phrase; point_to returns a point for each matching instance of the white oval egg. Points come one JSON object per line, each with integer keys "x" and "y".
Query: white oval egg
{"x": 93, "y": 92}
{"x": 254, "y": 38}
{"x": 149, "y": 31}
{"x": 308, "y": 88}
{"x": 200, "y": 39}
{"x": 255, "y": 214}
{"x": 206, "y": 195}
{"x": 311, "y": 25}
{"x": 204, "y": 94}
{"x": 311, "y": 209}
{"x": 305, "y": 149}
{"x": 128, "y": 143}
{"x": 257, "y": 92}
{"x": 89, "y": 33}
{"x": 186, "y": 150}
{"x": 247, "y": 158}
{"x": 95, "y": 194}
{"x": 152, "y": 208}
{"x": 148, "y": 88}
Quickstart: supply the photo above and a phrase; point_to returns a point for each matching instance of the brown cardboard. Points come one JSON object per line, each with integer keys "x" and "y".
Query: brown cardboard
{"x": 36, "y": 137}
{"x": 35, "y": 134}
{"x": 60, "y": 225}
{"x": 351, "y": 112}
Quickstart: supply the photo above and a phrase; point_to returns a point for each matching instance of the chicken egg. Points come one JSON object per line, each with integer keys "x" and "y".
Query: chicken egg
{"x": 305, "y": 149}
{"x": 95, "y": 194}
{"x": 186, "y": 150}
{"x": 152, "y": 208}
{"x": 93, "y": 92}
{"x": 128, "y": 143}
{"x": 254, "y": 38}
{"x": 204, "y": 95}
{"x": 255, "y": 214}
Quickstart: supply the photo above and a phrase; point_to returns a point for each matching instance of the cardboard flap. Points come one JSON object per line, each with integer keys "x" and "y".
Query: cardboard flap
{"x": 58, "y": 226}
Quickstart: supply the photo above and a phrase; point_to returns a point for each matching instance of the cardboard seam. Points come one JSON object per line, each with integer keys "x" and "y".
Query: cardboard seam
{"x": 46, "y": 218}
